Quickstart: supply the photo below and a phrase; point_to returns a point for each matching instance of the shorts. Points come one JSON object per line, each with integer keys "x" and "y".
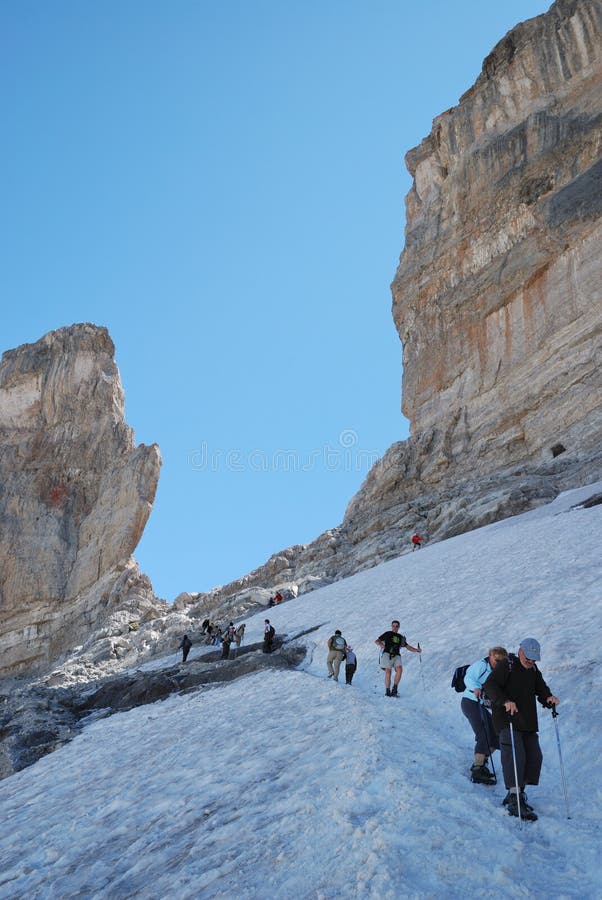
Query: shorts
{"x": 390, "y": 662}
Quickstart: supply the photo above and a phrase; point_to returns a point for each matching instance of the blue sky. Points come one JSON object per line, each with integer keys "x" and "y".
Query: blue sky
{"x": 221, "y": 184}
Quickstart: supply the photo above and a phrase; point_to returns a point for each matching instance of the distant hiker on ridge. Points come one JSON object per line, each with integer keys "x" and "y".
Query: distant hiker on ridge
{"x": 185, "y": 645}
{"x": 417, "y": 540}
{"x": 391, "y": 643}
{"x": 513, "y": 686}
{"x": 474, "y": 706}
{"x": 337, "y": 646}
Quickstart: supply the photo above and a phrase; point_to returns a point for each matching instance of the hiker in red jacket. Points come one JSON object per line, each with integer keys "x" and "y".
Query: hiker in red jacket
{"x": 416, "y": 541}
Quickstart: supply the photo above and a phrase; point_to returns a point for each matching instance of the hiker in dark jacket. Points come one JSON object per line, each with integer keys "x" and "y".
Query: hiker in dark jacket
{"x": 513, "y": 686}
{"x": 227, "y": 639}
{"x": 268, "y": 636}
{"x": 185, "y": 645}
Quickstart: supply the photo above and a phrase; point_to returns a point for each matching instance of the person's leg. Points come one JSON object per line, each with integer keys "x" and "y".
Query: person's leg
{"x": 534, "y": 758}
{"x": 470, "y": 709}
{"x": 336, "y": 665}
{"x": 508, "y": 761}
{"x": 398, "y": 673}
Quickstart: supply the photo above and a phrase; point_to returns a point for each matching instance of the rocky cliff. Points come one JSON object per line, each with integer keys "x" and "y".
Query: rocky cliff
{"x": 497, "y": 301}
{"x": 75, "y": 494}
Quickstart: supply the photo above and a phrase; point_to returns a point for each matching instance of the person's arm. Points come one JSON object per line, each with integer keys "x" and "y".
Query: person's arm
{"x": 544, "y": 693}
{"x": 495, "y": 687}
{"x": 380, "y": 642}
{"x": 474, "y": 678}
{"x": 412, "y": 649}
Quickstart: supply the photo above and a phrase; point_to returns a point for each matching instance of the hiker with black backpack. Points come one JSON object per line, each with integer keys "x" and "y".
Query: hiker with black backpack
{"x": 391, "y": 643}
{"x": 513, "y": 686}
{"x": 337, "y": 646}
{"x": 268, "y": 636}
{"x": 475, "y": 706}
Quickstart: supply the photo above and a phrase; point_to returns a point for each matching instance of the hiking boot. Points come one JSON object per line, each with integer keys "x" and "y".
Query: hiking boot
{"x": 511, "y": 802}
{"x": 481, "y": 775}
{"x": 523, "y": 800}
{"x": 394, "y": 691}
{"x": 388, "y": 692}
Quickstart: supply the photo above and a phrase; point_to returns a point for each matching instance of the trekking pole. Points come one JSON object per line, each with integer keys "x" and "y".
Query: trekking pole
{"x": 516, "y": 785}
{"x": 486, "y": 732}
{"x": 421, "y": 672}
{"x": 566, "y": 796}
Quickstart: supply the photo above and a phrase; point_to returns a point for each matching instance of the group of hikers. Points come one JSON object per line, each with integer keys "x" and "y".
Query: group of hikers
{"x": 230, "y": 639}
{"x": 499, "y": 693}
{"x": 499, "y": 701}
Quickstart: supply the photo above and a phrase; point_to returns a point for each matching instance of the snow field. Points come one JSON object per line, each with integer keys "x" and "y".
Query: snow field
{"x": 287, "y": 784}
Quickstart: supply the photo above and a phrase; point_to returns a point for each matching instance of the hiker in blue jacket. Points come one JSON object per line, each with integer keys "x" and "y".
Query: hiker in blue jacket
{"x": 476, "y": 708}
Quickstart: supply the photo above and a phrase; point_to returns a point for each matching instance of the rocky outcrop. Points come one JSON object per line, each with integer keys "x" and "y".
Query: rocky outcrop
{"x": 75, "y": 495}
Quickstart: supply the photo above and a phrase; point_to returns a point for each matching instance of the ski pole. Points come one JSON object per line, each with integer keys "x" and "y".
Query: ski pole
{"x": 421, "y": 672}
{"x": 485, "y": 730}
{"x": 516, "y": 785}
{"x": 566, "y": 796}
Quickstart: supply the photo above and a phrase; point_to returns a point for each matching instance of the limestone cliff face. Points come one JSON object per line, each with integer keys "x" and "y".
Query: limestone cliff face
{"x": 75, "y": 494}
{"x": 497, "y": 298}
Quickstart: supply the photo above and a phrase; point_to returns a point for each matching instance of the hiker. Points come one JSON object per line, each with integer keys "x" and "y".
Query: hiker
{"x": 391, "y": 643}
{"x": 227, "y": 639}
{"x": 239, "y": 635}
{"x": 185, "y": 645}
{"x": 475, "y": 706}
{"x": 417, "y": 540}
{"x": 337, "y": 646}
{"x": 205, "y": 626}
{"x": 350, "y": 665}
{"x": 512, "y": 687}
{"x": 268, "y": 636}
{"x": 278, "y": 598}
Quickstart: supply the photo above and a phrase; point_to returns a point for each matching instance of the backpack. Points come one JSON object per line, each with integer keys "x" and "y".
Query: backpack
{"x": 338, "y": 642}
{"x": 457, "y": 681}
{"x": 271, "y": 631}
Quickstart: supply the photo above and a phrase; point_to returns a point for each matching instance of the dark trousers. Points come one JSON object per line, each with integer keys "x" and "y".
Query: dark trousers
{"x": 350, "y": 672}
{"x": 185, "y": 652}
{"x": 481, "y": 724}
{"x": 225, "y": 649}
{"x": 528, "y": 757}
{"x": 267, "y": 645}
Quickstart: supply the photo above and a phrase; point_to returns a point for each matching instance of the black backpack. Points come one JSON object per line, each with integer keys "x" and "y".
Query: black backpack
{"x": 457, "y": 681}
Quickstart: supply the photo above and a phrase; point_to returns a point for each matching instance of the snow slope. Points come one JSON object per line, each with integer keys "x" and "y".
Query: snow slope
{"x": 287, "y": 784}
